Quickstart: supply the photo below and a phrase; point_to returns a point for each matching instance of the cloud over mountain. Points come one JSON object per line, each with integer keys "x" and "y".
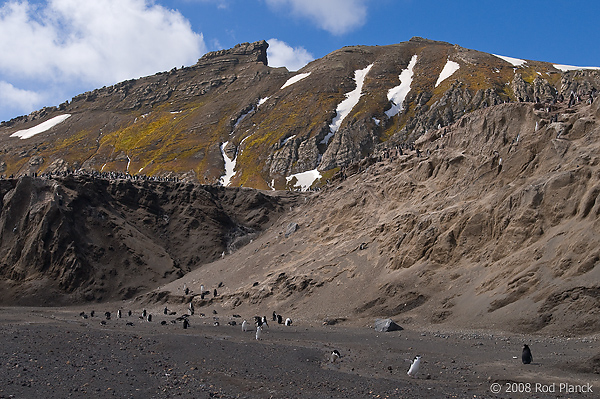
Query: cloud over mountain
{"x": 92, "y": 43}
{"x": 335, "y": 16}
{"x": 282, "y": 54}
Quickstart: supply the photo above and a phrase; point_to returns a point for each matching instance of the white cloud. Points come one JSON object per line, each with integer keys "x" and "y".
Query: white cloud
{"x": 16, "y": 99}
{"x": 335, "y": 16}
{"x": 92, "y": 43}
{"x": 222, "y": 4}
{"x": 281, "y": 54}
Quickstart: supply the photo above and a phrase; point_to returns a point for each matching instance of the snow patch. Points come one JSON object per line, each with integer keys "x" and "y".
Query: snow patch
{"x": 566, "y": 68}
{"x": 262, "y": 101}
{"x": 305, "y": 179}
{"x": 344, "y": 108}
{"x": 397, "y": 94}
{"x": 513, "y": 61}
{"x": 241, "y": 118}
{"x": 41, "y": 128}
{"x": 229, "y": 166}
{"x": 294, "y": 79}
{"x": 447, "y": 71}
{"x": 286, "y": 140}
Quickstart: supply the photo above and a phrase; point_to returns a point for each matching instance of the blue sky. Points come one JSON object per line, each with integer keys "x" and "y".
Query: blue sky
{"x": 53, "y": 50}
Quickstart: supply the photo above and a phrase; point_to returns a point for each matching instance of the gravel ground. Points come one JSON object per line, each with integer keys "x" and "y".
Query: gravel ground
{"x": 55, "y": 353}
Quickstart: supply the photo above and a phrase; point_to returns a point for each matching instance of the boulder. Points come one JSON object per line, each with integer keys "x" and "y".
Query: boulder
{"x": 386, "y": 325}
{"x": 291, "y": 229}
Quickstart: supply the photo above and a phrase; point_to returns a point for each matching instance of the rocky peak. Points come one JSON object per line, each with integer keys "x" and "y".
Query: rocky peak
{"x": 254, "y": 52}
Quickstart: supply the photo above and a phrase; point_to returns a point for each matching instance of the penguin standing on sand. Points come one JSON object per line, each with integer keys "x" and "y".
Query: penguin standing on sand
{"x": 526, "y": 356}
{"x": 244, "y": 326}
{"x": 258, "y": 332}
{"x": 335, "y": 355}
{"x": 414, "y": 366}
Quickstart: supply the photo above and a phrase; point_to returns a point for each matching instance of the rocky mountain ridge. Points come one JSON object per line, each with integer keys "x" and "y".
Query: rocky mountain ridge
{"x": 231, "y": 107}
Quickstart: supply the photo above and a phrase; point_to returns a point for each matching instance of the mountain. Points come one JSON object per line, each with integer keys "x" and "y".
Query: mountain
{"x": 490, "y": 223}
{"x": 231, "y": 108}
{"x": 458, "y": 188}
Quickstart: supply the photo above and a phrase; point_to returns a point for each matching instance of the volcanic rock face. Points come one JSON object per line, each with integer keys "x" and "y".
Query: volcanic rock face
{"x": 84, "y": 238}
{"x": 174, "y": 123}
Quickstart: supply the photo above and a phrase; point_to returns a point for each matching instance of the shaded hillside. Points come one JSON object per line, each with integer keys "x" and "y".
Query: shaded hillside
{"x": 494, "y": 225}
{"x": 83, "y": 238}
{"x": 232, "y": 107}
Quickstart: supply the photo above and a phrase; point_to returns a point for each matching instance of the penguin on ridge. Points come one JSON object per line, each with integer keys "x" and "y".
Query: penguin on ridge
{"x": 414, "y": 366}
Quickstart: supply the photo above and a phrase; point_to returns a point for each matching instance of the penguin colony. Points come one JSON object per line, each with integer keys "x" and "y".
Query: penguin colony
{"x": 260, "y": 324}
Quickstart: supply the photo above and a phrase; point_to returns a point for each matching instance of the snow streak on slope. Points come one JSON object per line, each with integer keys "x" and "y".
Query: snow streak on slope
{"x": 229, "y": 166}
{"x": 41, "y": 128}
{"x": 344, "y": 108}
{"x": 514, "y": 61}
{"x": 448, "y": 71}
{"x": 397, "y": 94}
{"x": 295, "y": 79}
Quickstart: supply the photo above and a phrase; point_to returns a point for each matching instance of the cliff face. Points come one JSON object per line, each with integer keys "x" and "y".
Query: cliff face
{"x": 79, "y": 238}
{"x": 232, "y": 107}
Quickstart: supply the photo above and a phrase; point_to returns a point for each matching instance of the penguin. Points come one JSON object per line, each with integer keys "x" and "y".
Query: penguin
{"x": 244, "y": 326}
{"x": 107, "y": 315}
{"x": 257, "y": 321}
{"x": 288, "y": 322}
{"x": 526, "y": 356}
{"x": 144, "y": 313}
{"x": 279, "y": 319}
{"x": 149, "y": 318}
{"x": 274, "y": 316}
{"x": 129, "y": 313}
{"x": 258, "y": 332}
{"x": 215, "y": 292}
{"x": 92, "y": 313}
{"x": 191, "y": 309}
{"x": 166, "y": 311}
{"x": 264, "y": 321}
{"x": 119, "y": 314}
{"x": 201, "y": 288}
{"x": 186, "y": 324}
{"x": 335, "y": 355}
{"x": 414, "y": 366}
